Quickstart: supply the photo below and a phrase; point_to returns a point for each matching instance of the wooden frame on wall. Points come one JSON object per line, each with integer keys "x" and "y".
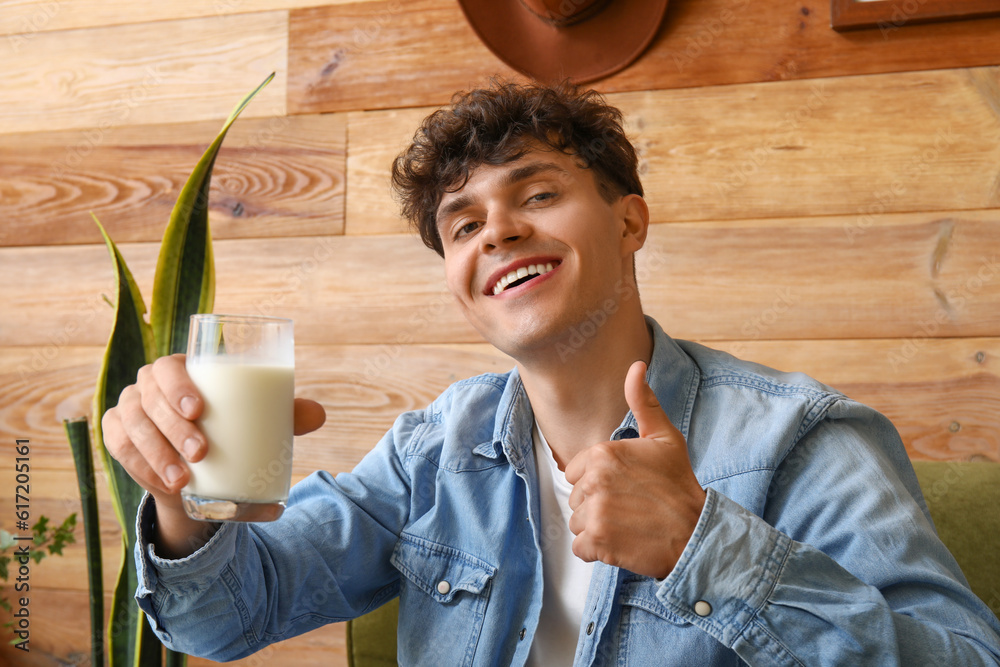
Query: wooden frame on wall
{"x": 857, "y": 14}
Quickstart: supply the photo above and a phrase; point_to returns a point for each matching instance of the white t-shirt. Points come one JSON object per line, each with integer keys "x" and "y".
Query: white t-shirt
{"x": 566, "y": 577}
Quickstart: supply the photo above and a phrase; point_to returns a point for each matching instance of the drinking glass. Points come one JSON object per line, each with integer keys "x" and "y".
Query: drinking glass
{"x": 244, "y": 369}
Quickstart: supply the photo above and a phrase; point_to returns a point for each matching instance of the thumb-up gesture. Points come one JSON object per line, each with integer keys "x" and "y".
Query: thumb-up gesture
{"x": 635, "y": 502}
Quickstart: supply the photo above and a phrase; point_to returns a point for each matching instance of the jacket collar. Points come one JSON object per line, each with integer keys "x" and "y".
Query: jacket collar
{"x": 672, "y": 374}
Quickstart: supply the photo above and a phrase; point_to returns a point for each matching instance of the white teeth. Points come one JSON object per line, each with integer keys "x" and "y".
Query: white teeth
{"x": 523, "y": 272}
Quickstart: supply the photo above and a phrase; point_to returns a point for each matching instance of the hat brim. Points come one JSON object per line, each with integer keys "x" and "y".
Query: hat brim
{"x": 590, "y": 50}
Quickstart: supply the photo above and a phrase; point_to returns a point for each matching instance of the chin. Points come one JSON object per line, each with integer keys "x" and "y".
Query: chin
{"x": 530, "y": 340}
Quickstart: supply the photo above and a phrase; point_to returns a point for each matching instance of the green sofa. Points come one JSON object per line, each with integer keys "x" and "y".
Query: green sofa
{"x": 964, "y": 500}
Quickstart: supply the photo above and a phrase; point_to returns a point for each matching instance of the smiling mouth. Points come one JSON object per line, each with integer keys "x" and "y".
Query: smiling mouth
{"x": 522, "y": 275}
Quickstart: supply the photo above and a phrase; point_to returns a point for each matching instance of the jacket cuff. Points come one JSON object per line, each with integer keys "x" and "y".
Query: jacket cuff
{"x": 727, "y": 570}
{"x": 183, "y": 575}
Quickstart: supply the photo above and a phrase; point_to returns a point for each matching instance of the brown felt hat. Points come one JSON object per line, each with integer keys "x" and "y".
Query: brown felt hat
{"x": 552, "y": 40}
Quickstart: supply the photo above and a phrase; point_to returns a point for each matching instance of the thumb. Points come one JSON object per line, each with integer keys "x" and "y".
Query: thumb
{"x": 649, "y": 415}
{"x": 309, "y": 416}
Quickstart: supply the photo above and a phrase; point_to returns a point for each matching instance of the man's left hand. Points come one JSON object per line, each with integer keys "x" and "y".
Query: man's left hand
{"x": 635, "y": 502}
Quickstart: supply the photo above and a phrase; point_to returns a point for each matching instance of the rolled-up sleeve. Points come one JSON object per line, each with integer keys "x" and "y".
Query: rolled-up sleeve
{"x": 844, "y": 567}
{"x": 327, "y": 559}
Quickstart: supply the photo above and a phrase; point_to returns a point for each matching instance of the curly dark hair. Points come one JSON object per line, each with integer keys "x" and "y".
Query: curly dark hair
{"x": 500, "y": 124}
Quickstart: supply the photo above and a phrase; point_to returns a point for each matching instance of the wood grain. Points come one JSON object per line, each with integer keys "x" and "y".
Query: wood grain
{"x": 277, "y": 176}
{"x": 376, "y": 138}
{"x": 848, "y": 146}
{"x": 424, "y": 52}
{"x": 23, "y": 19}
{"x": 757, "y": 279}
{"x": 911, "y": 276}
{"x": 338, "y": 290}
{"x": 377, "y": 55}
{"x": 852, "y": 14}
{"x": 100, "y": 79}
{"x": 59, "y": 636}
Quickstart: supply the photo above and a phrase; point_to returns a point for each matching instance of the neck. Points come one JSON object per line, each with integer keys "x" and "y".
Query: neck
{"x": 577, "y": 392}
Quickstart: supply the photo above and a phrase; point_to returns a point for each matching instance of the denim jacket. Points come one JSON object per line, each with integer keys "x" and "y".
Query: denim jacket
{"x": 814, "y": 547}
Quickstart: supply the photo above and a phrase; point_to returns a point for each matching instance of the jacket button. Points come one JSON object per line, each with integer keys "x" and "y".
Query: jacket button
{"x": 702, "y": 608}
{"x": 590, "y": 628}
{"x": 443, "y": 587}
{"x": 520, "y": 635}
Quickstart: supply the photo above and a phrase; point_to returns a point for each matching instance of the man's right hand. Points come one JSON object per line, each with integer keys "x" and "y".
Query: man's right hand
{"x": 152, "y": 433}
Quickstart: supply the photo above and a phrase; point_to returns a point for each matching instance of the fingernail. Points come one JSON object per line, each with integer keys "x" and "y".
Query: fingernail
{"x": 188, "y": 405}
{"x": 191, "y": 448}
{"x": 173, "y": 473}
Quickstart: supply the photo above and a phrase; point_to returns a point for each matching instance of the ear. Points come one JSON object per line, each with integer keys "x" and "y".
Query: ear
{"x": 635, "y": 223}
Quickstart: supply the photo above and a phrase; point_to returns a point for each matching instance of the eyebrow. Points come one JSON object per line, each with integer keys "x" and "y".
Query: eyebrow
{"x": 510, "y": 178}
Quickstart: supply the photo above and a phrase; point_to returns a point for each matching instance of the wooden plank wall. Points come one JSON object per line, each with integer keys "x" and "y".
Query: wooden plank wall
{"x": 825, "y": 202}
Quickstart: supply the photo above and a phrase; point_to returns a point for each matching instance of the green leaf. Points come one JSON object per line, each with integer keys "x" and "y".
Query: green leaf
{"x": 6, "y": 540}
{"x": 78, "y": 433}
{"x": 184, "y": 284}
{"x": 185, "y": 271}
{"x": 55, "y": 549}
{"x": 150, "y": 650}
{"x": 175, "y": 659}
{"x": 41, "y": 526}
{"x": 129, "y": 348}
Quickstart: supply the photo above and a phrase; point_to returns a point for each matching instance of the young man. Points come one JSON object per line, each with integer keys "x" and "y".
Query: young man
{"x": 622, "y": 498}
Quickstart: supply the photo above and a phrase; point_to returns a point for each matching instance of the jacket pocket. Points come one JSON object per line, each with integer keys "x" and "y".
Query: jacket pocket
{"x": 638, "y": 595}
{"x": 443, "y": 597}
{"x": 652, "y": 634}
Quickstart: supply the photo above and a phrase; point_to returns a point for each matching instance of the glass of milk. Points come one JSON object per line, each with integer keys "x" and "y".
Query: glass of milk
{"x": 244, "y": 369}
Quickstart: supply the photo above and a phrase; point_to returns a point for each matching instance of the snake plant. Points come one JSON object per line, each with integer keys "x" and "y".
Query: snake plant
{"x": 184, "y": 284}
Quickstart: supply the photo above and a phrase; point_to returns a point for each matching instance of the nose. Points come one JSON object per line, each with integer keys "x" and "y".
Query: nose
{"x": 503, "y": 228}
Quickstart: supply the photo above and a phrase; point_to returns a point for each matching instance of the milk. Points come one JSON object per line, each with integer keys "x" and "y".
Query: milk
{"x": 247, "y": 420}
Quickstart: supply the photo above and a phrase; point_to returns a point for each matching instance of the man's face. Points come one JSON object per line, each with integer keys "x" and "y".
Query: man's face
{"x": 541, "y": 215}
